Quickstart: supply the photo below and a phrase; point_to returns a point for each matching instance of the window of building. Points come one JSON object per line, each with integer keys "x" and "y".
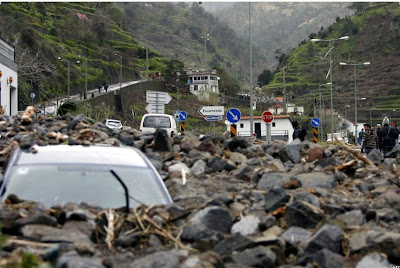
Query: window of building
{"x": 241, "y": 125}
{"x": 273, "y": 124}
{"x": 196, "y": 87}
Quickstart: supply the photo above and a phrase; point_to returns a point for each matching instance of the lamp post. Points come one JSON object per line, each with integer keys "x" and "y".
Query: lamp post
{"x": 345, "y": 110}
{"x": 120, "y": 70}
{"x": 330, "y": 68}
{"x": 205, "y": 49}
{"x": 355, "y": 91}
{"x": 59, "y": 58}
{"x": 320, "y": 109}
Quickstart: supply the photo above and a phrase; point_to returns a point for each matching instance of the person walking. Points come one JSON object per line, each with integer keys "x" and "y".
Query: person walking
{"x": 370, "y": 139}
{"x": 106, "y": 88}
{"x": 297, "y": 133}
{"x": 99, "y": 87}
{"x": 378, "y": 128}
{"x": 397, "y": 130}
{"x": 388, "y": 136}
{"x": 360, "y": 136}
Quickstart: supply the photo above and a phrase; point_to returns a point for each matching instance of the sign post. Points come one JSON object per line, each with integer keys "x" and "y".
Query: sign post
{"x": 268, "y": 117}
{"x": 212, "y": 113}
{"x": 156, "y": 101}
{"x": 182, "y": 118}
{"x": 315, "y": 123}
{"x": 233, "y": 116}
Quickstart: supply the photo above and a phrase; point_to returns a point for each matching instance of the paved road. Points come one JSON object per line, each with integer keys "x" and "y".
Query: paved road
{"x": 51, "y": 109}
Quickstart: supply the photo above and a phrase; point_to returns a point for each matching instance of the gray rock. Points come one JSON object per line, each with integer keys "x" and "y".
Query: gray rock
{"x": 217, "y": 164}
{"x": 275, "y": 198}
{"x": 242, "y": 172}
{"x": 389, "y": 199}
{"x": 329, "y": 237}
{"x": 352, "y": 218}
{"x": 215, "y": 218}
{"x": 165, "y": 259}
{"x": 324, "y": 258}
{"x": 199, "y": 167}
{"x": 307, "y": 197}
{"x": 375, "y": 260}
{"x": 235, "y": 242}
{"x": 375, "y": 156}
{"x": 86, "y": 227}
{"x": 121, "y": 260}
{"x": 248, "y": 225}
{"x": 296, "y": 235}
{"x": 317, "y": 179}
{"x": 388, "y": 243}
{"x": 360, "y": 242}
{"x": 238, "y": 158}
{"x": 272, "y": 179}
{"x": 50, "y": 234}
{"x": 292, "y": 152}
{"x": 255, "y": 257}
{"x": 79, "y": 262}
{"x": 387, "y": 215}
{"x": 303, "y": 214}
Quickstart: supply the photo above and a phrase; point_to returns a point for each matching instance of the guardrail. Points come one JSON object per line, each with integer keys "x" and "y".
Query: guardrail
{"x": 275, "y": 134}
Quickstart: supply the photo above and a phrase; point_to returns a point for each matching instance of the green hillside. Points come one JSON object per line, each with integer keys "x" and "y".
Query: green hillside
{"x": 374, "y": 36}
{"x": 47, "y": 36}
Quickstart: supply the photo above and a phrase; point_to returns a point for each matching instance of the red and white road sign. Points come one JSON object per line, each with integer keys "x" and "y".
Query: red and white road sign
{"x": 267, "y": 117}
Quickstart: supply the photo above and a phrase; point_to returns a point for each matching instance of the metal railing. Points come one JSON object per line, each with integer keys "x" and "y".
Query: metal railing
{"x": 275, "y": 134}
{"x": 7, "y": 50}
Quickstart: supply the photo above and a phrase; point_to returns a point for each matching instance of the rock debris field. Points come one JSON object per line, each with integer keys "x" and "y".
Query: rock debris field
{"x": 236, "y": 204}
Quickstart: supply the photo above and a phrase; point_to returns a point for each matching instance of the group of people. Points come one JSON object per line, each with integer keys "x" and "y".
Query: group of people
{"x": 383, "y": 137}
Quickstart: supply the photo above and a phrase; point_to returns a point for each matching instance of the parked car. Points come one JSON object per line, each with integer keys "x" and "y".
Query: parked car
{"x": 337, "y": 136}
{"x": 151, "y": 122}
{"x": 113, "y": 124}
{"x": 95, "y": 175}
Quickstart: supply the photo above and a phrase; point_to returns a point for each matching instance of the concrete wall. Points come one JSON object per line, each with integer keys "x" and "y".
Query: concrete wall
{"x": 8, "y": 68}
{"x": 122, "y": 100}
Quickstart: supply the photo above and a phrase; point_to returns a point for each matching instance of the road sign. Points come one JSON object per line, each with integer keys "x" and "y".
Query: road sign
{"x": 233, "y": 115}
{"x": 182, "y": 116}
{"x": 32, "y": 95}
{"x": 213, "y": 118}
{"x": 154, "y": 108}
{"x": 267, "y": 117}
{"x": 212, "y": 110}
{"x": 176, "y": 116}
{"x": 315, "y": 122}
{"x": 158, "y": 97}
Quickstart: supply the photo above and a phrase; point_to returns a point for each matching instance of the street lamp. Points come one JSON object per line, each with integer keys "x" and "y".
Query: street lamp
{"x": 205, "y": 49}
{"x": 355, "y": 91}
{"x": 61, "y": 59}
{"x": 86, "y": 66}
{"x": 330, "y": 68}
{"x": 120, "y": 71}
{"x": 320, "y": 109}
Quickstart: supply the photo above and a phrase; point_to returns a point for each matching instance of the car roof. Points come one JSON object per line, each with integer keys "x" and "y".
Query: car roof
{"x": 113, "y": 120}
{"x": 163, "y": 115}
{"x": 78, "y": 154}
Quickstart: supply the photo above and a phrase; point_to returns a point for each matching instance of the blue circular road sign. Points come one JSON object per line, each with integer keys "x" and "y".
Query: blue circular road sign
{"x": 182, "y": 116}
{"x": 233, "y": 115}
{"x": 315, "y": 122}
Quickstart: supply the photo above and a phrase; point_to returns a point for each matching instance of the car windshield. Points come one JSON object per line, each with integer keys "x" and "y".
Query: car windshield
{"x": 114, "y": 123}
{"x": 91, "y": 184}
{"x": 157, "y": 121}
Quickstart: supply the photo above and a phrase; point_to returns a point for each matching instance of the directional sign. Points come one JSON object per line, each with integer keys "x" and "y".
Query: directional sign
{"x": 212, "y": 110}
{"x": 158, "y": 97}
{"x": 154, "y": 108}
{"x": 213, "y": 118}
{"x": 267, "y": 117}
{"x": 315, "y": 122}
{"x": 176, "y": 116}
{"x": 182, "y": 116}
{"x": 233, "y": 115}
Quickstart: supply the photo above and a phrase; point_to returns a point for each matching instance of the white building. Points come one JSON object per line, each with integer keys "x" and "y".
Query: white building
{"x": 281, "y": 127}
{"x": 203, "y": 84}
{"x": 8, "y": 80}
{"x": 278, "y": 108}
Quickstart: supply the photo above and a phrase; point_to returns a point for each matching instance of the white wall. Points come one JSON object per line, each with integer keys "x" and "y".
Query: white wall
{"x": 280, "y": 125}
{"x": 9, "y": 91}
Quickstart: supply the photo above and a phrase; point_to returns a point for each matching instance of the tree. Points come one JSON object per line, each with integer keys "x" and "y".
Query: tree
{"x": 265, "y": 77}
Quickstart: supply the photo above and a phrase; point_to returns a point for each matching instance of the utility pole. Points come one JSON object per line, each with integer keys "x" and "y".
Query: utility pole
{"x": 284, "y": 91}
{"x": 68, "y": 79}
{"x": 84, "y": 95}
{"x": 147, "y": 63}
{"x": 251, "y": 74}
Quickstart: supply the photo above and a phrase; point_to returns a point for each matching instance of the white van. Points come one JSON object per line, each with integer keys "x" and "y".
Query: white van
{"x": 150, "y": 123}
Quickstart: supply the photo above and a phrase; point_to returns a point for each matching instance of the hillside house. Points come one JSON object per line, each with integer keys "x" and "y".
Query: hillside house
{"x": 8, "y": 79}
{"x": 278, "y": 107}
{"x": 203, "y": 84}
{"x": 281, "y": 127}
